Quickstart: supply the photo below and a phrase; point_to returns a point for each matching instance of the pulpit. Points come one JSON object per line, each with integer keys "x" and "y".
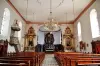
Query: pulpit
{"x": 29, "y": 39}
{"x": 96, "y": 46}
{"x": 13, "y": 38}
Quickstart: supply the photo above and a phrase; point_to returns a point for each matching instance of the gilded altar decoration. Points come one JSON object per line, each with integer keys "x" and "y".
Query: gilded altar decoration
{"x": 29, "y": 39}
{"x": 68, "y": 38}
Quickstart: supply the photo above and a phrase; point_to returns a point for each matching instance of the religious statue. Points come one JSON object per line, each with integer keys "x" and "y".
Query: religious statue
{"x": 68, "y": 37}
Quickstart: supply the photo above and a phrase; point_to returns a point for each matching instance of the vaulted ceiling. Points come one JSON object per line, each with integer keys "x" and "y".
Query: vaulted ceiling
{"x": 39, "y": 10}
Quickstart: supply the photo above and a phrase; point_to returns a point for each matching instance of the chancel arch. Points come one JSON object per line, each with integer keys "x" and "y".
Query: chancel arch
{"x": 49, "y": 39}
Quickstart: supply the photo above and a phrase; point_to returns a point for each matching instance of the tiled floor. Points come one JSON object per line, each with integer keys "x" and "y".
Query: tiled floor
{"x": 49, "y": 60}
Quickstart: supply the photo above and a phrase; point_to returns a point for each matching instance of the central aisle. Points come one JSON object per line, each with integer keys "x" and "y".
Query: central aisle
{"x": 49, "y": 60}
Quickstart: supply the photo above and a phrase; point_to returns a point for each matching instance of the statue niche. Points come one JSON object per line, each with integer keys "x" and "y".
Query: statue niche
{"x": 29, "y": 39}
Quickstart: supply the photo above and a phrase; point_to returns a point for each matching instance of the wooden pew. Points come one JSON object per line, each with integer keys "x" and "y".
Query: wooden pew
{"x": 82, "y": 60}
{"x": 15, "y": 58}
{"x": 34, "y": 58}
{"x": 60, "y": 56}
{"x": 66, "y": 58}
{"x": 6, "y": 62}
{"x": 91, "y": 61}
{"x": 12, "y": 64}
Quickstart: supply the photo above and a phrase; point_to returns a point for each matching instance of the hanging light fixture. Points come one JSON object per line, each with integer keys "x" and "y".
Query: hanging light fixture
{"x": 26, "y": 9}
{"x": 52, "y": 25}
{"x": 73, "y": 9}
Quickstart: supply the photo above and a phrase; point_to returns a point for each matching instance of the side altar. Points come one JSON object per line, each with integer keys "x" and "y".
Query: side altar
{"x": 29, "y": 40}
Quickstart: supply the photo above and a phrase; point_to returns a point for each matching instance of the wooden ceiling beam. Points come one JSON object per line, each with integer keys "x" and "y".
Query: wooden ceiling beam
{"x": 84, "y": 10}
{"x": 8, "y": 1}
{"x": 29, "y": 22}
{"x": 70, "y": 22}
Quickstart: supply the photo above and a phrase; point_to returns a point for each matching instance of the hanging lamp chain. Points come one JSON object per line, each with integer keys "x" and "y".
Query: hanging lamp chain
{"x": 27, "y": 10}
{"x": 66, "y": 17}
{"x": 50, "y": 10}
{"x": 50, "y": 6}
{"x": 73, "y": 8}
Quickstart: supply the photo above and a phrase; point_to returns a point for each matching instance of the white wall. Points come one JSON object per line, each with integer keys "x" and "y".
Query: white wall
{"x": 13, "y": 16}
{"x": 57, "y": 37}
{"x": 86, "y": 28}
{"x": 62, "y": 26}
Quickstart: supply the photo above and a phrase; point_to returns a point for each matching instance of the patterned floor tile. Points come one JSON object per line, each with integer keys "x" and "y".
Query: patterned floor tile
{"x": 49, "y": 60}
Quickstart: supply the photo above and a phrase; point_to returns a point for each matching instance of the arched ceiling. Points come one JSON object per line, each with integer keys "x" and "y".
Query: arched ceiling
{"x": 38, "y": 10}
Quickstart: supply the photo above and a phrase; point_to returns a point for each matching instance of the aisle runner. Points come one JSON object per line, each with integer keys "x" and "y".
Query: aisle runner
{"x": 49, "y": 60}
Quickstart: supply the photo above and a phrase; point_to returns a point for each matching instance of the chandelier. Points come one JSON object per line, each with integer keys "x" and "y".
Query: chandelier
{"x": 52, "y": 24}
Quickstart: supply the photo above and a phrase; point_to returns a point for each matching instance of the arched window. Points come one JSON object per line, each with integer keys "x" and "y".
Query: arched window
{"x": 19, "y": 32}
{"x": 79, "y": 31}
{"x": 5, "y": 22}
{"x": 94, "y": 24}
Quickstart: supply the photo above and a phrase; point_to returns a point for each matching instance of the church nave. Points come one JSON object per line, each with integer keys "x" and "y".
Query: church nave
{"x": 49, "y": 32}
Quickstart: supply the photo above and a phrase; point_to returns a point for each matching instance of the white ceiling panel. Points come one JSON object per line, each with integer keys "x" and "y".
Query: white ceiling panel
{"x": 38, "y": 10}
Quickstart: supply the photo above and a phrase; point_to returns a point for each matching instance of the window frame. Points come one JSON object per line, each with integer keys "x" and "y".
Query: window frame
{"x": 95, "y": 30}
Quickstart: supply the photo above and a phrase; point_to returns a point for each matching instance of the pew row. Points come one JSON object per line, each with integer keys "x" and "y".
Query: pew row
{"x": 7, "y": 62}
{"x": 76, "y": 59}
{"x": 33, "y": 58}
